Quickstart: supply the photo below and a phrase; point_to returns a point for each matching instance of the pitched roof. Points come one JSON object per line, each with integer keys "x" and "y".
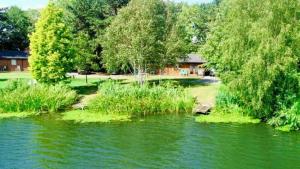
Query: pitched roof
{"x": 193, "y": 58}
{"x": 13, "y": 55}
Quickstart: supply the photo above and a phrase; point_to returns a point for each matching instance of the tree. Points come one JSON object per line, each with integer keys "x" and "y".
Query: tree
{"x": 89, "y": 19}
{"x": 175, "y": 46}
{"x": 192, "y": 25}
{"x": 14, "y": 26}
{"x": 115, "y": 5}
{"x": 137, "y": 37}
{"x": 52, "y": 51}
{"x": 33, "y": 15}
{"x": 4, "y": 29}
{"x": 254, "y": 45}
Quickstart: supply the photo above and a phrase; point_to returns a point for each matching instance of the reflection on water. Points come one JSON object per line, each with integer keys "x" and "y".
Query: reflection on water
{"x": 157, "y": 142}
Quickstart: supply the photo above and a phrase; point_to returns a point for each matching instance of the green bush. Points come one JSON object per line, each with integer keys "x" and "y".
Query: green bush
{"x": 254, "y": 47}
{"x": 288, "y": 119}
{"x": 18, "y": 96}
{"x": 135, "y": 100}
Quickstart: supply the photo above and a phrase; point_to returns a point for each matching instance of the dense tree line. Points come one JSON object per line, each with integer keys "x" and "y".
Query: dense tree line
{"x": 117, "y": 35}
{"x": 15, "y": 25}
{"x": 254, "y": 45}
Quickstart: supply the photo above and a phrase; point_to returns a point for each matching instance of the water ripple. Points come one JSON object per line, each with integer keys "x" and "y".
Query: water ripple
{"x": 156, "y": 142}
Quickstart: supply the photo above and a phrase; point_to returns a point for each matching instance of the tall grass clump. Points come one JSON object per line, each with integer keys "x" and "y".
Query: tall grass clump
{"x": 135, "y": 100}
{"x": 18, "y": 96}
{"x": 227, "y": 110}
{"x": 287, "y": 119}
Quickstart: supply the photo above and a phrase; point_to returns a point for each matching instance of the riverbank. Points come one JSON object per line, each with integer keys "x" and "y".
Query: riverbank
{"x": 203, "y": 89}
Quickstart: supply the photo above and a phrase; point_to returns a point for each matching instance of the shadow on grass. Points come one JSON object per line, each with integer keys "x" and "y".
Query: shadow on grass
{"x": 3, "y": 80}
{"x": 89, "y": 88}
{"x": 184, "y": 82}
{"x": 86, "y": 90}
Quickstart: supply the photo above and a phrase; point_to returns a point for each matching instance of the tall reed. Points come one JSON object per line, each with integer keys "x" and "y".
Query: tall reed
{"x": 18, "y": 96}
{"x": 135, "y": 100}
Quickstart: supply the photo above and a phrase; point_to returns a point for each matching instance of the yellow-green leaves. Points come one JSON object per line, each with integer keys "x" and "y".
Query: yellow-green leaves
{"x": 52, "y": 52}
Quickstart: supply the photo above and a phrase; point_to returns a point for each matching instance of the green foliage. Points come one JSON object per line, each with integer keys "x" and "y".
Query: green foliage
{"x": 52, "y": 52}
{"x": 192, "y": 25}
{"x": 85, "y": 116}
{"x": 18, "y": 96}
{"x": 136, "y": 101}
{"x": 136, "y": 38}
{"x": 254, "y": 46}
{"x": 14, "y": 29}
{"x": 288, "y": 119}
{"x": 89, "y": 19}
{"x": 33, "y": 15}
{"x": 223, "y": 117}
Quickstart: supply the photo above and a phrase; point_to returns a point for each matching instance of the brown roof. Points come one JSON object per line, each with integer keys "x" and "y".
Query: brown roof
{"x": 193, "y": 58}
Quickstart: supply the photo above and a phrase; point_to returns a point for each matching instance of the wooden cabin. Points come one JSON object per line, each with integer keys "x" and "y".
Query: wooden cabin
{"x": 191, "y": 66}
{"x": 13, "y": 61}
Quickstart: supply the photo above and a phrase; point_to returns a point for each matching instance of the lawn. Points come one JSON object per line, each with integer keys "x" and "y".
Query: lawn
{"x": 204, "y": 89}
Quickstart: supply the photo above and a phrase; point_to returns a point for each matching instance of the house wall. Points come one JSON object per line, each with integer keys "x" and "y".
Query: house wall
{"x": 175, "y": 71}
{"x": 22, "y": 63}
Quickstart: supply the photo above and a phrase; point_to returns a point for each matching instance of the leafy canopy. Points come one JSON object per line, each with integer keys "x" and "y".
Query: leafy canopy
{"x": 141, "y": 36}
{"x": 89, "y": 19}
{"x": 14, "y": 29}
{"x": 52, "y": 52}
{"x": 255, "y": 47}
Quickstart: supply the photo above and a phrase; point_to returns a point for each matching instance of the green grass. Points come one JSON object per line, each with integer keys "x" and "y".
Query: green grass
{"x": 226, "y": 118}
{"x": 136, "y": 100}
{"x": 206, "y": 94}
{"x": 122, "y": 102}
{"x": 85, "y": 116}
{"x": 17, "y": 115}
{"x": 5, "y": 78}
{"x": 18, "y": 96}
{"x": 194, "y": 87}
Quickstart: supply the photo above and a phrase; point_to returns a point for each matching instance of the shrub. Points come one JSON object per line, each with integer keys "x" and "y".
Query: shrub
{"x": 288, "y": 119}
{"x": 18, "y": 96}
{"x": 254, "y": 47}
{"x": 135, "y": 100}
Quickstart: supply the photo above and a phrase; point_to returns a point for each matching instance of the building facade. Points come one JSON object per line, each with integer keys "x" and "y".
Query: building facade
{"x": 191, "y": 66}
{"x": 13, "y": 61}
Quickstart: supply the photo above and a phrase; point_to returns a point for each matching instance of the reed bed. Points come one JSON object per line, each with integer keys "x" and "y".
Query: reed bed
{"x": 135, "y": 100}
{"x": 19, "y": 96}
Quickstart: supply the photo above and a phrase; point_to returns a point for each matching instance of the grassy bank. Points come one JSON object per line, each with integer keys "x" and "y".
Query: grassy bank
{"x": 135, "y": 104}
{"x": 87, "y": 116}
{"x": 19, "y": 97}
{"x": 116, "y": 101}
{"x": 219, "y": 117}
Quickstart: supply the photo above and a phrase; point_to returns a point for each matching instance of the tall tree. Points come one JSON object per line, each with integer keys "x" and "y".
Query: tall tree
{"x": 33, "y": 15}
{"x": 115, "y": 5}
{"x": 52, "y": 52}
{"x": 255, "y": 47}
{"x": 14, "y": 29}
{"x": 192, "y": 24}
{"x": 5, "y": 29}
{"x": 138, "y": 36}
{"x": 89, "y": 19}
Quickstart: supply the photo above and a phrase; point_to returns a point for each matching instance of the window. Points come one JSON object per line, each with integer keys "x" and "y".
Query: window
{"x": 13, "y": 62}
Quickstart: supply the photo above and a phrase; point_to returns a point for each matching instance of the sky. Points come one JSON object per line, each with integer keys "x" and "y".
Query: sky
{"x": 35, "y": 4}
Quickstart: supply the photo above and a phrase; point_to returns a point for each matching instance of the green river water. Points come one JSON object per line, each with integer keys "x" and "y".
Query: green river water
{"x": 156, "y": 142}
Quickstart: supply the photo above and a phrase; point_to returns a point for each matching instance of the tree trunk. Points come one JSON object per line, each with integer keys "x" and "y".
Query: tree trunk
{"x": 86, "y": 78}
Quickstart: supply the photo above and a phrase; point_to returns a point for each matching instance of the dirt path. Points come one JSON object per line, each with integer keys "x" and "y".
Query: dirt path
{"x": 83, "y": 102}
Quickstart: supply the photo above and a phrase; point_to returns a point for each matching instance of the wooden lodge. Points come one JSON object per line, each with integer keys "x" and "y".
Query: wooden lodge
{"x": 13, "y": 61}
{"x": 191, "y": 66}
